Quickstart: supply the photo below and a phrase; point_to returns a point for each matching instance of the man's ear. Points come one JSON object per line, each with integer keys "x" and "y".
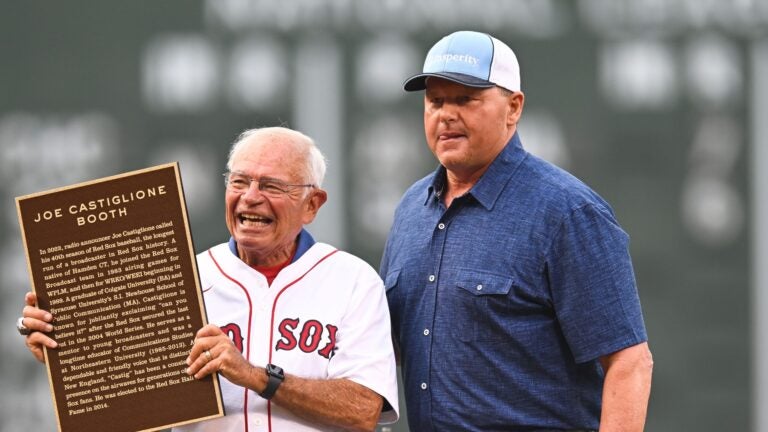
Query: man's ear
{"x": 312, "y": 205}
{"x": 516, "y": 102}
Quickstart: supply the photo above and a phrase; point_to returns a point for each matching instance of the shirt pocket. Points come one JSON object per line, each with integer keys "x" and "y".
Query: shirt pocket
{"x": 480, "y": 305}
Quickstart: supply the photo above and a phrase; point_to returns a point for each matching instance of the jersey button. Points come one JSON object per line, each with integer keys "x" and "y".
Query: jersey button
{"x": 479, "y": 287}
{"x": 423, "y": 386}
{"x": 431, "y": 278}
{"x": 441, "y": 226}
{"x": 426, "y": 332}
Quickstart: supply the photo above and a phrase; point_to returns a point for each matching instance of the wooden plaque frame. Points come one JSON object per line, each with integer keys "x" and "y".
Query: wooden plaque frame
{"x": 113, "y": 260}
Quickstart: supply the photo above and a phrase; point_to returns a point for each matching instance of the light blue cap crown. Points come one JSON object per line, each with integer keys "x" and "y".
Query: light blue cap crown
{"x": 470, "y": 58}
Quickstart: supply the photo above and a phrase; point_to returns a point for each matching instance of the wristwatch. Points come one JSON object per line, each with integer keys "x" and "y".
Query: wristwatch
{"x": 275, "y": 377}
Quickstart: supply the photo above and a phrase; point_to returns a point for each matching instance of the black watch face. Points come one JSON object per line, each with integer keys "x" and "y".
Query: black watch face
{"x": 275, "y": 370}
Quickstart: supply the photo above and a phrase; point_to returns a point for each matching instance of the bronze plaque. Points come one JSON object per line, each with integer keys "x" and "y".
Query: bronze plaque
{"x": 112, "y": 259}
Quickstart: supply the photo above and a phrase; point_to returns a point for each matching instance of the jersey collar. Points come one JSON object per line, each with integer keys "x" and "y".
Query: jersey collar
{"x": 305, "y": 242}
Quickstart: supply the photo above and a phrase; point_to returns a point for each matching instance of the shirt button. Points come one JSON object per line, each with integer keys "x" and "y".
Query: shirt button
{"x": 479, "y": 287}
{"x": 423, "y": 386}
{"x": 441, "y": 226}
{"x": 431, "y": 278}
{"x": 257, "y": 422}
{"x": 426, "y": 332}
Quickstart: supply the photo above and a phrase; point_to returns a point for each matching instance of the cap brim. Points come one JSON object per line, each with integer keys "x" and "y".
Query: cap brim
{"x": 419, "y": 82}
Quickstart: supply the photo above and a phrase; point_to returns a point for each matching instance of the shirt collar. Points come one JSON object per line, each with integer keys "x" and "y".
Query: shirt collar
{"x": 306, "y": 241}
{"x": 436, "y": 187}
{"x": 488, "y": 188}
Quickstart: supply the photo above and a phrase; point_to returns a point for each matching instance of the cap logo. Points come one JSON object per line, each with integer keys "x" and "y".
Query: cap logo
{"x": 463, "y": 58}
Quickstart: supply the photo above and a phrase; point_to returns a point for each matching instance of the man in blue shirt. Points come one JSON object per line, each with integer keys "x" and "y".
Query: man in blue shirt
{"x": 509, "y": 281}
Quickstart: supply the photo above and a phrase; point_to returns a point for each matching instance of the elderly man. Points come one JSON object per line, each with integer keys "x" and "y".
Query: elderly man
{"x": 509, "y": 281}
{"x": 271, "y": 287}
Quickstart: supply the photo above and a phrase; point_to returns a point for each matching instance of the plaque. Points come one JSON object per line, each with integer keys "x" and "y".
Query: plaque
{"x": 112, "y": 259}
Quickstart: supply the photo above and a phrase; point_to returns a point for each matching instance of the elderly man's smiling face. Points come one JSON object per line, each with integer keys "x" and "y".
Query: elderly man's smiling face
{"x": 264, "y": 225}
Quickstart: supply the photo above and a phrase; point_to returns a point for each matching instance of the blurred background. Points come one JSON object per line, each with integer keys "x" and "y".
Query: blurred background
{"x": 661, "y": 106}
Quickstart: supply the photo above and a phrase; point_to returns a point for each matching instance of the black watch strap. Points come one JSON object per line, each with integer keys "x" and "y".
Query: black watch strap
{"x": 275, "y": 377}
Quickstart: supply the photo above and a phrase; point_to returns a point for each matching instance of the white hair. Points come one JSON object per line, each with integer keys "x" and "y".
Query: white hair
{"x": 313, "y": 157}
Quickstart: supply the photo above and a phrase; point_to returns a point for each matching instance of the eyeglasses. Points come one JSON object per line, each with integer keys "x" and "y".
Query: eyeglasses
{"x": 239, "y": 182}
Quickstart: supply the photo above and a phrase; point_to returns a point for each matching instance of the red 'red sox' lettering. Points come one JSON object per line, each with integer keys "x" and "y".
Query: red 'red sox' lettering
{"x": 307, "y": 338}
{"x": 329, "y": 349}
{"x": 286, "y": 328}
{"x": 310, "y": 336}
{"x": 233, "y": 331}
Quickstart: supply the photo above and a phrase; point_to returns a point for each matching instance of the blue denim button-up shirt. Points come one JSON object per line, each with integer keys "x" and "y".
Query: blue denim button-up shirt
{"x": 503, "y": 303}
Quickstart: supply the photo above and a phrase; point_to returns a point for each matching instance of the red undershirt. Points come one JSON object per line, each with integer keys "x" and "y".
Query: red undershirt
{"x": 271, "y": 272}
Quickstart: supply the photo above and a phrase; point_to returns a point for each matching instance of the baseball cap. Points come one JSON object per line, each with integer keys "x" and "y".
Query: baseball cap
{"x": 470, "y": 58}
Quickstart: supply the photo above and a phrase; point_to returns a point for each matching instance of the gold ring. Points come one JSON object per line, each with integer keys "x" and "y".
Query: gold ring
{"x": 207, "y": 355}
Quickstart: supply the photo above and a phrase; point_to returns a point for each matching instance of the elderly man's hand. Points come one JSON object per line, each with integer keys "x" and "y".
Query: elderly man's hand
{"x": 39, "y": 321}
{"x": 223, "y": 357}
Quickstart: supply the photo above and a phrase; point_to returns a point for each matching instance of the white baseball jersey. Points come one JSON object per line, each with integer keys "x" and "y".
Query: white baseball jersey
{"x": 325, "y": 316}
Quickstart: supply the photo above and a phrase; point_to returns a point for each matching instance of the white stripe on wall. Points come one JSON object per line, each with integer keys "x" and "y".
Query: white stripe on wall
{"x": 759, "y": 169}
{"x": 318, "y": 104}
